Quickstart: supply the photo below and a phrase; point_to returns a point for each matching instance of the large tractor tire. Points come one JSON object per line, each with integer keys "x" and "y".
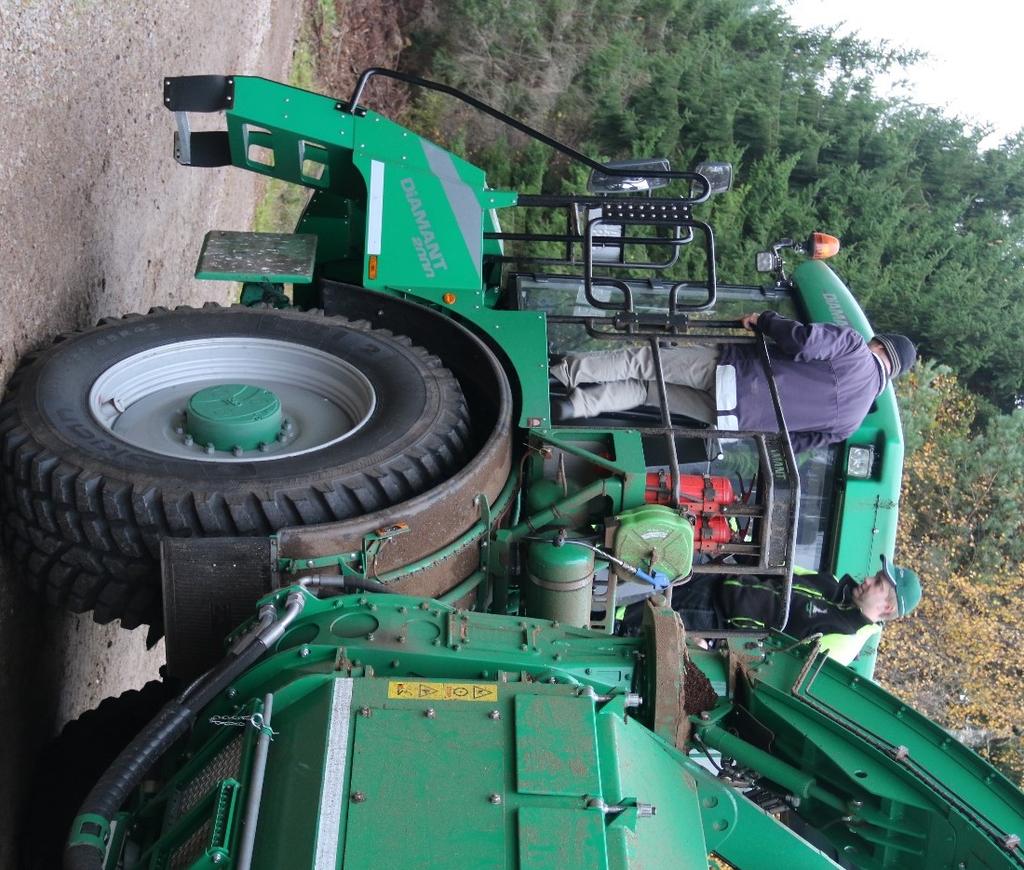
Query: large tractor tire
{"x": 71, "y": 764}
{"x": 99, "y": 460}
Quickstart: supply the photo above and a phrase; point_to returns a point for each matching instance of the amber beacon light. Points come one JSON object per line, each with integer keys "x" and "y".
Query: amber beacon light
{"x": 821, "y": 246}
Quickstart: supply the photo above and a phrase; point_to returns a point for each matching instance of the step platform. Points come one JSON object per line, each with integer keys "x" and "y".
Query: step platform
{"x": 262, "y": 258}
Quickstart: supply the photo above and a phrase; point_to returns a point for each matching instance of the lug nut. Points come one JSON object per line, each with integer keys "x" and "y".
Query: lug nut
{"x": 236, "y": 450}
{"x": 209, "y": 447}
{"x": 189, "y": 441}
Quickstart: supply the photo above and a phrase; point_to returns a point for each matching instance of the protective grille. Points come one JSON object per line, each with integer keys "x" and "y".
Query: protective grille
{"x": 192, "y": 849}
{"x": 225, "y": 764}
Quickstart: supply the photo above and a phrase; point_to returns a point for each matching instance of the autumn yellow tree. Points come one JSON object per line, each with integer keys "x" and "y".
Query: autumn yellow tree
{"x": 960, "y": 656}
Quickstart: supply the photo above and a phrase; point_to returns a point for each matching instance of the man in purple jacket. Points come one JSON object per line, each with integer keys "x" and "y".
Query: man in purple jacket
{"x": 827, "y": 377}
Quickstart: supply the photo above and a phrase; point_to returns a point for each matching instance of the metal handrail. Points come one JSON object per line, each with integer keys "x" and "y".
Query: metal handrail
{"x": 352, "y": 107}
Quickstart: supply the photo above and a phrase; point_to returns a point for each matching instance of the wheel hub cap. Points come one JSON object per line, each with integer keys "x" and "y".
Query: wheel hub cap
{"x": 231, "y": 416}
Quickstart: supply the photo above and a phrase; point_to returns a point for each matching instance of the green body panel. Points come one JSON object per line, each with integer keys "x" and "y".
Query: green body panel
{"x": 408, "y": 733}
{"x": 867, "y": 510}
{"x": 924, "y": 798}
{"x": 866, "y": 527}
{"x": 380, "y": 182}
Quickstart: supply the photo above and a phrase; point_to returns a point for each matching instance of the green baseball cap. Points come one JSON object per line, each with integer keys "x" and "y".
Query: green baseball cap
{"x": 907, "y": 584}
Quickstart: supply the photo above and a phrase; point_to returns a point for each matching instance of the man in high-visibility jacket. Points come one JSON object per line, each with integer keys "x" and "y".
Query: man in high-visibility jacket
{"x": 844, "y": 612}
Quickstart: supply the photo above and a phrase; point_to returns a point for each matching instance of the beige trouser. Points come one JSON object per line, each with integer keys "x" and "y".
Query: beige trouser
{"x": 618, "y": 380}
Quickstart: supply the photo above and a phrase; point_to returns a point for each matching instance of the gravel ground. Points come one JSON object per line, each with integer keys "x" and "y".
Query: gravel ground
{"x": 96, "y": 219}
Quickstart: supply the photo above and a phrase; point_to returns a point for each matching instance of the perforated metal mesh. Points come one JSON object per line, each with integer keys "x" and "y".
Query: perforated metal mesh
{"x": 226, "y": 764}
{"x": 192, "y": 849}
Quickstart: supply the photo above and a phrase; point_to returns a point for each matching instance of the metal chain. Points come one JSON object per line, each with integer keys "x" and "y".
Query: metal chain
{"x": 254, "y": 721}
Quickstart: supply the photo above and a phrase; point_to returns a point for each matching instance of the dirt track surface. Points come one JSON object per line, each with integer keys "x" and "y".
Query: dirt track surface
{"x": 96, "y": 219}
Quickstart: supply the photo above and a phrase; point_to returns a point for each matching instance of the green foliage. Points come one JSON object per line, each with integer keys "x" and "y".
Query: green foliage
{"x": 931, "y": 227}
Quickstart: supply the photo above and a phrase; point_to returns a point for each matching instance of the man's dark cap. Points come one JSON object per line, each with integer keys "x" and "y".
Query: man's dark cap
{"x": 900, "y": 350}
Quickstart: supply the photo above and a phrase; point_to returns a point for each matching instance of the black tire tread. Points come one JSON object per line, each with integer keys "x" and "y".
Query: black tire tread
{"x": 84, "y": 540}
{"x": 72, "y": 763}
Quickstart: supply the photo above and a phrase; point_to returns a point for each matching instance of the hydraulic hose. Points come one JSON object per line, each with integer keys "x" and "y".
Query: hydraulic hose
{"x": 342, "y": 584}
{"x": 87, "y": 844}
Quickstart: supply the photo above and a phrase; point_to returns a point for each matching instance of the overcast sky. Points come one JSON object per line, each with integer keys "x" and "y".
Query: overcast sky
{"x": 975, "y": 50}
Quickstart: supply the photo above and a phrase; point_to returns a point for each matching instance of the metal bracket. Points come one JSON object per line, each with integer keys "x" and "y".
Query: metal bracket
{"x": 375, "y": 541}
{"x": 199, "y": 93}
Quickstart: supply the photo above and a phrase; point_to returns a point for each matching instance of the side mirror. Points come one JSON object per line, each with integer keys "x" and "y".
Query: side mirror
{"x": 719, "y": 176}
{"x": 600, "y": 182}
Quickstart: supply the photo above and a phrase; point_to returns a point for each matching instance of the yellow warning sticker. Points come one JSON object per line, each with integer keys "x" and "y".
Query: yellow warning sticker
{"x": 415, "y": 690}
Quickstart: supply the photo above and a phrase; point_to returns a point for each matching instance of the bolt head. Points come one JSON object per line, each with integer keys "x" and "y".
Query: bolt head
{"x": 495, "y": 798}
{"x": 430, "y": 713}
{"x": 358, "y": 797}
{"x": 217, "y": 857}
{"x": 304, "y": 652}
{"x": 494, "y": 714}
{"x": 364, "y": 712}
{"x": 232, "y": 692}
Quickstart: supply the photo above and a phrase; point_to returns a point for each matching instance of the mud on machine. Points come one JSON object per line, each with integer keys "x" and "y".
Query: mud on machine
{"x": 389, "y": 584}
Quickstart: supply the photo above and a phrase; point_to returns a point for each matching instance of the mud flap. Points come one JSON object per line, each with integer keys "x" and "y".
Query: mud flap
{"x": 210, "y": 586}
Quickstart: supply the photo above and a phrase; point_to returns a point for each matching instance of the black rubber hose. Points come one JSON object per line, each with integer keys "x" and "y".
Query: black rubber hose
{"x": 128, "y": 770}
{"x": 340, "y": 585}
